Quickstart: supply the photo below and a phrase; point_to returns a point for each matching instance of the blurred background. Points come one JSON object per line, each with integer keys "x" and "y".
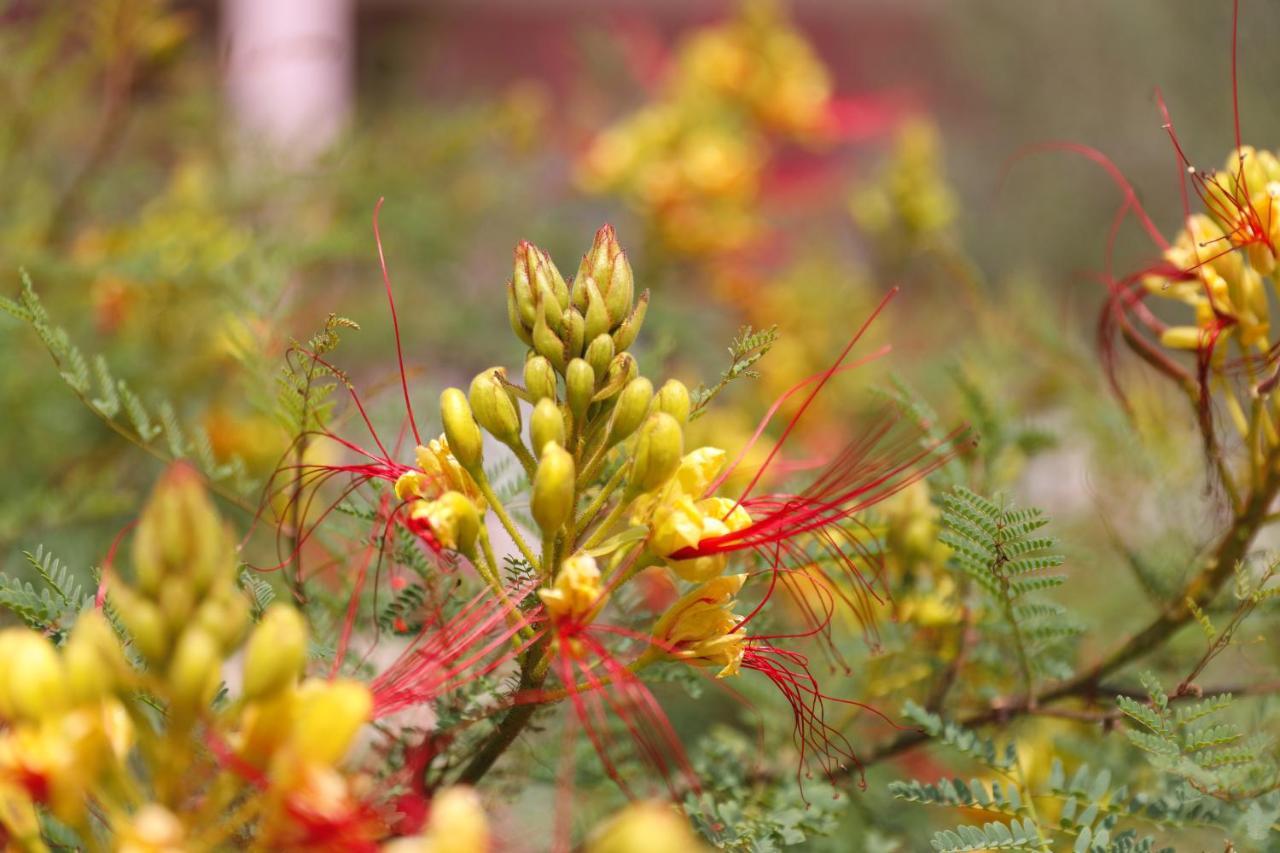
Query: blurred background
{"x": 190, "y": 187}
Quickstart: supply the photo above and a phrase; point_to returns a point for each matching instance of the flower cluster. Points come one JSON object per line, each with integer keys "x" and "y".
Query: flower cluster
{"x": 692, "y": 160}
{"x": 615, "y": 495}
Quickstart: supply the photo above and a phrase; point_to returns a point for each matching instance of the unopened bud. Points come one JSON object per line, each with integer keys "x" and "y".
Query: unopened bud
{"x": 276, "y": 652}
{"x": 453, "y": 519}
{"x": 607, "y": 266}
{"x": 177, "y": 601}
{"x": 631, "y": 409}
{"x": 575, "y": 333}
{"x": 625, "y": 335}
{"x": 93, "y": 658}
{"x": 34, "y": 678}
{"x": 599, "y": 353}
{"x": 329, "y": 714}
{"x": 514, "y": 317}
{"x": 546, "y": 424}
{"x": 622, "y": 370}
{"x": 145, "y": 624}
{"x": 552, "y": 499}
{"x": 657, "y": 454}
{"x": 195, "y": 671}
{"x": 547, "y": 344}
{"x": 225, "y": 615}
{"x": 494, "y": 407}
{"x": 180, "y": 533}
{"x": 597, "y": 314}
{"x": 539, "y": 378}
{"x": 460, "y": 429}
{"x": 580, "y": 385}
{"x": 673, "y": 398}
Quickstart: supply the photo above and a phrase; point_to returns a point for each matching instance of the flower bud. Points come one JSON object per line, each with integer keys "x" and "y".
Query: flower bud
{"x": 521, "y": 287}
{"x": 195, "y": 671}
{"x": 144, "y": 622}
{"x": 93, "y": 658}
{"x": 580, "y": 385}
{"x": 607, "y": 267}
{"x": 631, "y": 409}
{"x": 329, "y": 714}
{"x": 673, "y": 398}
{"x": 546, "y": 424}
{"x": 276, "y": 652}
{"x": 177, "y": 601}
{"x": 225, "y": 615}
{"x": 599, "y": 353}
{"x": 622, "y": 370}
{"x": 575, "y": 333}
{"x": 597, "y": 317}
{"x": 180, "y": 534}
{"x": 539, "y": 378}
{"x": 552, "y": 499}
{"x": 34, "y": 678}
{"x": 460, "y": 429}
{"x": 547, "y": 344}
{"x": 626, "y": 333}
{"x": 494, "y": 407}
{"x": 523, "y": 332}
{"x": 657, "y": 454}
{"x": 453, "y": 519}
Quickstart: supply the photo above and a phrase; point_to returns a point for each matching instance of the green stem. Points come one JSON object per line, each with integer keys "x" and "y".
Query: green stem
{"x": 501, "y": 512}
{"x": 598, "y": 502}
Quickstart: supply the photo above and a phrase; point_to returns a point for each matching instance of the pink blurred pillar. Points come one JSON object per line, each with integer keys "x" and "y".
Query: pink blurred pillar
{"x": 289, "y": 74}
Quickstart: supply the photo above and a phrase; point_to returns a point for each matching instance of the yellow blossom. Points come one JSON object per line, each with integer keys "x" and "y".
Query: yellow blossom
{"x": 701, "y": 628}
{"x": 577, "y": 590}
{"x": 439, "y": 472}
{"x": 683, "y": 523}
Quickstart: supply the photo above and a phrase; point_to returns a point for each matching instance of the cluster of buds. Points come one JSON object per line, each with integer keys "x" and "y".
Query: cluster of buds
{"x": 82, "y": 739}
{"x": 692, "y": 161}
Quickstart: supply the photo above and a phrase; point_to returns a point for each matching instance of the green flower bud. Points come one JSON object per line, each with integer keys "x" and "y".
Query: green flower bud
{"x": 180, "y": 534}
{"x": 35, "y": 680}
{"x": 225, "y": 615}
{"x": 552, "y": 499}
{"x": 631, "y": 409}
{"x": 607, "y": 266}
{"x": 657, "y": 453}
{"x": 599, "y": 354}
{"x": 93, "y": 658}
{"x": 673, "y": 398}
{"x": 626, "y": 333}
{"x": 539, "y": 378}
{"x": 622, "y": 370}
{"x": 522, "y": 284}
{"x": 547, "y": 344}
{"x": 195, "y": 671}
{"x": 523, "y": 331}
{"x": 494, "y": 406}
{"x": 597, "y": 314}
{"x": 177, "y": 602}
{"x": 276, "y": 652}
{"x": 460, "y": 429}
{"x": 546, "y": 424}
{"x": 580, "y": 385}
{"x": 145, "y": 624}
{"x": 575, "y": 332}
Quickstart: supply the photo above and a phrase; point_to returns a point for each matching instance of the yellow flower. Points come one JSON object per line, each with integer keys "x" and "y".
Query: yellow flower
{"x": 577, "y": 590}
{"x": 1219, "y": 284}
{"x": 683, "y": 523}
{"x": 701, "y": 628}
{"x": 453, "y": 518}
{"x": 439, "y": 472}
